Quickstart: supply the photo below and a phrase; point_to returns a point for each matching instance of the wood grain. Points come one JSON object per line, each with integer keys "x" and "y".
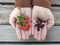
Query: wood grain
{"x": 7, "y": 33}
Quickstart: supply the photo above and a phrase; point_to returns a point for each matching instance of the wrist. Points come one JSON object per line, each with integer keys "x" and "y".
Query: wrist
{"x": 18, "y": 7}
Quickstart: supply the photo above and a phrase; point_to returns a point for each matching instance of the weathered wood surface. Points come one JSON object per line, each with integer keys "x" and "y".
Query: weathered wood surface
{"x": 12, "y": 1}
{"x": 7, "y": 1}
{"x": 5, "y": 11}
{"x": 27, "y": 44}
{"x": 56, "y": 2}
{"x": 56, "y": 13}
{"x": 7, "y": 33}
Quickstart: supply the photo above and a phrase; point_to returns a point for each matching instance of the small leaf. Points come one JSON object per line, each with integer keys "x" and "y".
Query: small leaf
{"x": 22, "y": 15}
{"x": 23, "y": 23}
{"x": 19, "y": 22}
{"x": 20, "y": 18}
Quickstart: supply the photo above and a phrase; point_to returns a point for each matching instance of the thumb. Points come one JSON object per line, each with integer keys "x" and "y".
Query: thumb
{"x": 13, "y": 17}
{"x": 12, "y": 21}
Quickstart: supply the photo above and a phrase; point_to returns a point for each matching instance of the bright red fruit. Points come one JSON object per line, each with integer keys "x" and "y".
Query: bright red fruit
{"x": 20, "y": 26}
{"x": 27, "y": 21}
{"x": 25, "y": 27}
{"x": 28, "y": 24}
{"x": 26, "y": 17}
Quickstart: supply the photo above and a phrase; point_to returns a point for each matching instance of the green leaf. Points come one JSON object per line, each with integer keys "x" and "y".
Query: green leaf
{"x": 18, "y": 22}
{"x": 23, "y": 23}
{"x": 22, "y": 15}
{"x": 20, "y": 18}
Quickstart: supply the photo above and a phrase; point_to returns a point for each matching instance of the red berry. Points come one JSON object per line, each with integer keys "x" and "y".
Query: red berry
{"x": 26, "y": 20}
{"x": 26, "y": 17}
{"x": 28, "y": 28}
{"x": 28, "y": 24}
{"x": 20, "y": 26}
{"x": 24, "y": 27}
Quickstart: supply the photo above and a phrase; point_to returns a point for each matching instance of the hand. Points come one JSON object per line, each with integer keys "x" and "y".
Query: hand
{"x": 42, "y": 20}
{"x": 13, "y": 21}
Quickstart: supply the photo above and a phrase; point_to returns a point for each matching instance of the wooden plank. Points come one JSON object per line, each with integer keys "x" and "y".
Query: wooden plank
{"x": 8, "y": 1}
{"x": 12, "y": 1}
{"x": 5, "y": 11}
{"x": 56, "y": 13}
{"x": 26, "y": 44}
{"x": 7, "y": 33}
{"x": 53, "y": 34}
{"x": 57, "y": 2}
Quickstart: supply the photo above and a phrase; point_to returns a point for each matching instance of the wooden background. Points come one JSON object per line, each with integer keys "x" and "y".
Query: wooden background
{"x": 7, "y": 33}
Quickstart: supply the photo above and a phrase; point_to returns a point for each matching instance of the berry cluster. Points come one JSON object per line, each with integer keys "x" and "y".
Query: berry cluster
{"x": 23, "y": 22}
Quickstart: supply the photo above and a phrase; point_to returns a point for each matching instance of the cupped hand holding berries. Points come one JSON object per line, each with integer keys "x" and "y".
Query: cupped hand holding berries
{"x": 42, "y": 20}
{"x": 20, "y": 21}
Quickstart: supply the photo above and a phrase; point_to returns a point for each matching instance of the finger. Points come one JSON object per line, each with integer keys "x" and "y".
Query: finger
{"x": 33, "y": 29}
{"x": 27, "y": 34}
{"x": 33, "y": 25}
{"x": 18, "y": 32}
{"x": 39, "y": 35}
{"x": 44, "y": 33}
{"x": 35, "y": 33}
{"x": 23, "y": 34}
{"x": 30, "y": 30}
{"x": 33, "y": 21}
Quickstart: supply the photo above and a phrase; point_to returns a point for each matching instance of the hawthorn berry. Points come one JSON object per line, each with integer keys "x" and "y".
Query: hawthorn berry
{"x": 20, "y": 26}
